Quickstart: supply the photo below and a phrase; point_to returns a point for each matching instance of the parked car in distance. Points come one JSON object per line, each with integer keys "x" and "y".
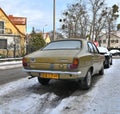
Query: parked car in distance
{"x": 69, "y": 59}
{"x": 108, "y": 56}
{"x": 115, "y": 52}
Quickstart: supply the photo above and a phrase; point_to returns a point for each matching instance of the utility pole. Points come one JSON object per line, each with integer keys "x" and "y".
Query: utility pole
{"x": 54, "y": 6}
{"x": 109, "y": 32}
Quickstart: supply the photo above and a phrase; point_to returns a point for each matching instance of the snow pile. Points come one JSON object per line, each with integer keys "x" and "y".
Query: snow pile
{"x": 11, "y": 64}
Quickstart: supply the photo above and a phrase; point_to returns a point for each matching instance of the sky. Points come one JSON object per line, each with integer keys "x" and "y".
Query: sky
{"x": 39, "y": 13}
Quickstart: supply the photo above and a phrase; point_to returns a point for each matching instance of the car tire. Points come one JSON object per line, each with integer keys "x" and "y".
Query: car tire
{"x": 43, "y": 81}
{"x": 111, "y": 62}
{"x": 86, "y": 82}
{"x": 108, "y": 65}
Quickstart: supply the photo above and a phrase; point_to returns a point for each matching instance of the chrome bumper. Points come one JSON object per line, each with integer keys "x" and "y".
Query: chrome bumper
{"x": 53, "y": 72}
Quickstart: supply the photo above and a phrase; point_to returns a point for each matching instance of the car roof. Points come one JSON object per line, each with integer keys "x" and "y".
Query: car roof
{"x": 102, "y": 49}
{"x": 84, "y": 41}
{"x": 71, "y": 39}
{"x": 114, "y": 50}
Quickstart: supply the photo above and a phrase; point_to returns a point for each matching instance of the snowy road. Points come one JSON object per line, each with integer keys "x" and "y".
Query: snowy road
{"x": 29, "y": 97}
{"x": 11, "y": 71}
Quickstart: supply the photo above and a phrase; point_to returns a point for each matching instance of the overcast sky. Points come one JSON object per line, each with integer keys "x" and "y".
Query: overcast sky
{"x": 39, "y": 13}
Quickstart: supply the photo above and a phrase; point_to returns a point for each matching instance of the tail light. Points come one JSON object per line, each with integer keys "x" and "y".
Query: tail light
{"x": 74, "y": 64}
{"x": 24, "y": 62}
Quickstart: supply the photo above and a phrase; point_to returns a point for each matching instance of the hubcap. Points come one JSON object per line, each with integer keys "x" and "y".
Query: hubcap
{"x": 89, "y": 78}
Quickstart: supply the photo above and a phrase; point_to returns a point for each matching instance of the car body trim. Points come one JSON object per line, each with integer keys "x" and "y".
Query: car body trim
{"x": 54, "y": 72}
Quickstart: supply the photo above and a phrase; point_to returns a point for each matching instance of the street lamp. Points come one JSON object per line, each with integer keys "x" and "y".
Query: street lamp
{"x": 54, "y": 5}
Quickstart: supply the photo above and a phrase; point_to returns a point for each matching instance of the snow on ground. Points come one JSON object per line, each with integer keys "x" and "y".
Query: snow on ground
{"x": 21, "y": 102}
{"x": 17, "y": 104}
{"x": 102, "y": 98}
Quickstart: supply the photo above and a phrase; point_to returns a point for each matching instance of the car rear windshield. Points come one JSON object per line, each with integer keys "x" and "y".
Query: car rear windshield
{"x": 58, "y": 45}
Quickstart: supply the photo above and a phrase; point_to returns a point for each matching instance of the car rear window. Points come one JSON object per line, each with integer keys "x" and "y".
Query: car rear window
{"x": 63, "y": 45}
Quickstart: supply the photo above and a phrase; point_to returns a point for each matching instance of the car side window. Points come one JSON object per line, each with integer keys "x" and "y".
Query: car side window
{"x": 90, "y": 48}
{"x": 95, "y": 48}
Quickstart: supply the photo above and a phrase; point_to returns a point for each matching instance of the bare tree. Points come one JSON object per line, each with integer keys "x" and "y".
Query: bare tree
{"x": 111, "y": 15}
{"x": 90, "y": 20}
{"x": 96, "y": 21}
{"x": 74, "y": 22}
{"x": 103, "y": 19}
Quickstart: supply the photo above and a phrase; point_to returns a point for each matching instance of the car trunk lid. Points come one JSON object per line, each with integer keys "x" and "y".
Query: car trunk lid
{"x": 52, "y": 59}
{"x": 53, "y": 56}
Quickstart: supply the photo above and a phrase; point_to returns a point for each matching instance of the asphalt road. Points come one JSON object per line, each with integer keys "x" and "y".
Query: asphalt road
{"x": 9, "y": 75}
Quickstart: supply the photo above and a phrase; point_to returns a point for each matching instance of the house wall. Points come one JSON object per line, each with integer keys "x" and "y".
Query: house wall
{"x": 11, "y": 42}
{"x": 18, "y": 31}
{"x": 22, "y": 28}
{"x": 7, "y": 23}
{"x": 114, "y": 41}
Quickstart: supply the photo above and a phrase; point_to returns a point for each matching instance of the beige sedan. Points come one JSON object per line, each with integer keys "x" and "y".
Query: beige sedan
{"x": 70, "y": 59}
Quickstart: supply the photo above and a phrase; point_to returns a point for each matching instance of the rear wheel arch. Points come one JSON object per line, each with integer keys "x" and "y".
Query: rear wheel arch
{"x": 91, "y": 69}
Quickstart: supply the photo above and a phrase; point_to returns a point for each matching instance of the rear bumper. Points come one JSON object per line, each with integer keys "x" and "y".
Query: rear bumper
{"x": 52, "y": 72}
{"x": 64, "y": 75}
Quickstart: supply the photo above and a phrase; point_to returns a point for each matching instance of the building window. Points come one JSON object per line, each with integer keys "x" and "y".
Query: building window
{"x": 112, "y": 41}
{"x": 3, "y": 43}
{"x": 1, "y": 27}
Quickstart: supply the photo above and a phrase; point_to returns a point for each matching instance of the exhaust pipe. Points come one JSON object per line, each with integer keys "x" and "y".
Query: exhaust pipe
{"x": 31, "y": 77}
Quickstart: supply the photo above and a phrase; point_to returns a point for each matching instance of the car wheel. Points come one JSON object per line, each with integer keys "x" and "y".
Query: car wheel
{"x": 43, "y": 81}
{"x": 101, "y": 72}
{"x": 108, "y": 65}
{"x": 86, "y": 82}
{"x": 111, "y": 62}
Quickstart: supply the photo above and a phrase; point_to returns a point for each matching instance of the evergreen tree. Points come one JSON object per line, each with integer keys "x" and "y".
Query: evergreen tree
{"x": 35, "y": 42}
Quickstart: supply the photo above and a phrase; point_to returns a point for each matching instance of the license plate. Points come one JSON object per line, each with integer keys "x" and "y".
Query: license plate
{"x": 46, "y": 75}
